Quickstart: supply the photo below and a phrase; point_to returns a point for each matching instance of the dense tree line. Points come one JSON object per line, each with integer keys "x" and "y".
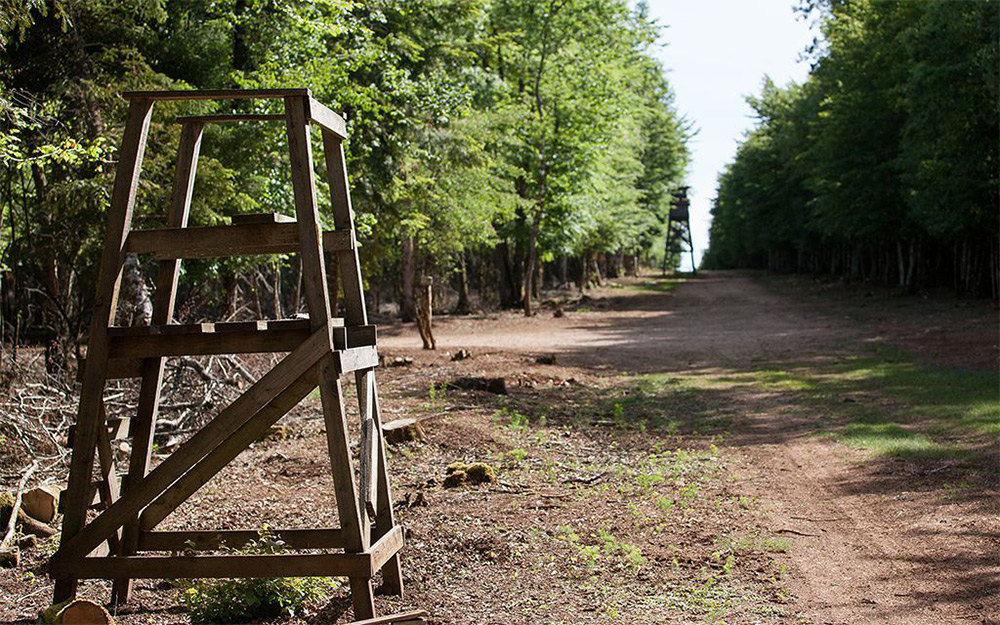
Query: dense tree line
{"x": 493, "y": 146}
{"x": 883, "y": 165}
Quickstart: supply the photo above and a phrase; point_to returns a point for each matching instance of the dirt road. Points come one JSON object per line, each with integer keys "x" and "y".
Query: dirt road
{"x": 723, "y": 320}
{"x": 873, "y": 539}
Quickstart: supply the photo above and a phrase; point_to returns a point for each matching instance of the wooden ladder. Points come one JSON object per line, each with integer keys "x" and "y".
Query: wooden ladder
{"x": 115, "y": 543}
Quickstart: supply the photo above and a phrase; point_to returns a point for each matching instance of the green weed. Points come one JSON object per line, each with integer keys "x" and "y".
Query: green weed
{"x": 237, "y": 600}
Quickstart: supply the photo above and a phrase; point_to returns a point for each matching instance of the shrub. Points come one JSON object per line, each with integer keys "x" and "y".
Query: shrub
{"x": 235, "y": 600}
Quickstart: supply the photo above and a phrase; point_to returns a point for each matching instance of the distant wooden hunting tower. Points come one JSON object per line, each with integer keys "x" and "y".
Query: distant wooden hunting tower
{"x": 116, "y": 542}
{"x": 679, "y": 228}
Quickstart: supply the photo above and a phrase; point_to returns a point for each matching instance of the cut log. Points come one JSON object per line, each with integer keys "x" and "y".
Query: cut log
{"x": 403, "y": 430}
{"x": 77, "y": 612}
{"x": 42, "y": 503}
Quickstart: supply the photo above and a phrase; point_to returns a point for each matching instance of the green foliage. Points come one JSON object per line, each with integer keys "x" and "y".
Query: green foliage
{"x": 884, "y": 160}
{"x": 472, "y": 125}
{"x": 239, "y": 600}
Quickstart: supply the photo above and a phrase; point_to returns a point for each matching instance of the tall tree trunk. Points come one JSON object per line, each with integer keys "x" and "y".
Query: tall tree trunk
{"x": 510, "y": 294}
{"x": 529, "y": 266}
{"x": 407, "y": 310}
{"x": 462, "y": 307}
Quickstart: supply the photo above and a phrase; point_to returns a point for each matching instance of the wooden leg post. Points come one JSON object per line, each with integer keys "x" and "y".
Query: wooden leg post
{"x": 144, "y": 424}
{"x": 92, "y": 392}
{"x": 353, "y": 523}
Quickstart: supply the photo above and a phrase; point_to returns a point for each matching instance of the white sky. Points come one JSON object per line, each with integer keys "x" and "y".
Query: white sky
{"x": 718, "y": 52}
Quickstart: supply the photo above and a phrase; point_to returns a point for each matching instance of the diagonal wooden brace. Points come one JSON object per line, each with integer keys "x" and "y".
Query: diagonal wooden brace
{"x": 205, "y": 469}
{"x": 258, "y": 396}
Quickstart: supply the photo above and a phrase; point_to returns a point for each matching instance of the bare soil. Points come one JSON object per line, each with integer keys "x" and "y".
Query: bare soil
{"x": 617, "y": 503}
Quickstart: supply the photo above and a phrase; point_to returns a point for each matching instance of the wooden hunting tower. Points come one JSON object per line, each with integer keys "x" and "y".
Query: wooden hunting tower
{"x": 115, "y": 544}
{"x": 679, "y": 228}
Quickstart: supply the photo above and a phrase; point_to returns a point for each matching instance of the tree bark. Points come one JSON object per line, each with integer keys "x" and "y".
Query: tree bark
{"x": 529, "y": 266}
{"x": 462, "y": 307}
{"x": 407, "y": 309}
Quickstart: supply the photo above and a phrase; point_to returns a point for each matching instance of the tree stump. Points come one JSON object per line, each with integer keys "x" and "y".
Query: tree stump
{"x": 403, "y": 430}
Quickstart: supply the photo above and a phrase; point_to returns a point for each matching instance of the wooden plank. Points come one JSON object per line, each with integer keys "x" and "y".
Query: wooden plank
{"x": 88, "y": 416}
{"x": 327, "y": 119}
{"x": 234, "y": 338}
{"x": 399, "y": 618}
{"x": 339, "y": 240}
{"x": 357, "y": 359}
{"x": 356, "y": 313}
{"x": 208, "y": 343}
{"x": 262, "y": 218}
{"x": 386, "y": 547}
{"x": 293, "y": 367}
{"x": 217, "y": 119}
{"x": 355, "y": 336}
{"x": 369, "y": 439}
{"x": 212, "y": 540}
{"x": 170, "y": 567}
{"x": 385, "y": 520}
{"x": 215, "y": 241}
{"x": 108, "y": 486}
{"x": 240, "y": 239}
{"x": 214, "y": 94}
{"x": 224, "y": 453}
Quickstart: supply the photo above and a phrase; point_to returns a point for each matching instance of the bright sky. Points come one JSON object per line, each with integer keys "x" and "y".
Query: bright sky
{"x": 718, "y": 52}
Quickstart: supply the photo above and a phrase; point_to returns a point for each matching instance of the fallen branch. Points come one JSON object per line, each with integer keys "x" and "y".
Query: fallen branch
{"x": 585, "y": 480}
{"x": 12, "y": 523}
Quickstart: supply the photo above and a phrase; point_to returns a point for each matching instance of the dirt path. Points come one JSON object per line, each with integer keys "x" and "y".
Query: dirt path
{"x": 872, "y": 542}
{"x": 676, "y": 464}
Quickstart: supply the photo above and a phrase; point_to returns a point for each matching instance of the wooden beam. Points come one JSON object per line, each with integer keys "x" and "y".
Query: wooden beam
{"x": 386, "y": 547}
{"x": 327, "y": 119}
{"x": 119, "y": 221}
{"x": 212, "y": 540}
{"x": 314, "y": 281}
{"x": 214, "y": 241}
{"x": 357, "y": 565}
{"x": 207, "y": 343}
{"x": 214, "y": 94}
{"x": 224, "y": 453}
{"x": 239, "y": 239}
{"x": 217, "y": 119}
{"x": 244, "y": 337}
{"x": 385, "y": 520}
{"x": 400, "y": 618}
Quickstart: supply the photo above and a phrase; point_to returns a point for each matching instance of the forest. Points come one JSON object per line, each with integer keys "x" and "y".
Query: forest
{"x": 883, "y": 165}
{"x": 494, "y": 147}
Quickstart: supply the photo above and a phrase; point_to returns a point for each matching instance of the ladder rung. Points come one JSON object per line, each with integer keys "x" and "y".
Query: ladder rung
{"x": 212, "y": 119}
{"x": 202, "y": 339}
{"x": 236, "y": 240}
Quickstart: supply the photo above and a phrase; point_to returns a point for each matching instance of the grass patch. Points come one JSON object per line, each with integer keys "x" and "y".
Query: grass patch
{"x": 888, "y": 404}
{"x": 660, "y": 284}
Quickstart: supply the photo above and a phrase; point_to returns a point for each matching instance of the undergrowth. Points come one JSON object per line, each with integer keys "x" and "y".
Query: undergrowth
{"x": 240, "y": 600}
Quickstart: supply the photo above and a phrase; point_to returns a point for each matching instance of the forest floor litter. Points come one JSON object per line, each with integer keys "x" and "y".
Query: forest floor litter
{"x": 725, "y": 448}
